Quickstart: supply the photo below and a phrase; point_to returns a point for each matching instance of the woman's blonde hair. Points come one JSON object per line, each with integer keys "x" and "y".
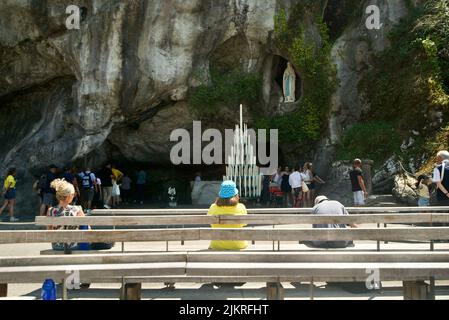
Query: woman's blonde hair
{"x": 63, "y": 189}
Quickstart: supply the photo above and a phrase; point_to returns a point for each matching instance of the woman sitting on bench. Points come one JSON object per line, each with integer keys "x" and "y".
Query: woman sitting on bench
{"x": 227, "y": 203}
{"x": 65, "y": 192}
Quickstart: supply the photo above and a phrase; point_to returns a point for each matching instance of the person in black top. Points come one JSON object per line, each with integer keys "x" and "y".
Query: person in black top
{"x": 48, "y": 193}
{"x": 441, "y": 178}
{"x": 265, "y": 194}
{"x": 286, "y": 188}
{"x": 357, "y": 183}
{"x": 106, "y": 176}
{"x": 70, "y": 177}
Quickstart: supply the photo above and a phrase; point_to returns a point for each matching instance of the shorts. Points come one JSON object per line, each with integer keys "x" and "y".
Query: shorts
{"x": 359, "y": 198}
{"x": 49, "y": 199}
{"x": 87, "y": 194}
{"x": 311, "y": 185}
{"x": 297, "y": 191}
{"x": 10, "y": 194}
{"x": 423, "y": 202}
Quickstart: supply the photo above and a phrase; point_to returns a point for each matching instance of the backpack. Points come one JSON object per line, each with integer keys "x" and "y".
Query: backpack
{"x": 42, "y": 183}
{"x": 87, "y": 181}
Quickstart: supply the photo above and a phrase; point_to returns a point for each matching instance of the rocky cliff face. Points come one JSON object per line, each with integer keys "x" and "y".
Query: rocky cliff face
{"x": 118, "y": 86}
{"x": 352, "y": 53}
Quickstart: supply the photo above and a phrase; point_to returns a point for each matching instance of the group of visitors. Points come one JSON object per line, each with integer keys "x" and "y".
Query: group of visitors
{"x": 106, "y": 188}
{"x": 439, "y": 182}
{"x": 298, "y": 185}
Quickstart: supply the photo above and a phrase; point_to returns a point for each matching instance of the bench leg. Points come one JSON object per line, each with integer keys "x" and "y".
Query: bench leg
{"x": 133, "y": 291}
{"x": 416, "y": 290}
{"x": 275, "y": 291}
{"x": 3, "y": 290}
{"x": 432, "y": 288}
{"x": 65, "y": 295}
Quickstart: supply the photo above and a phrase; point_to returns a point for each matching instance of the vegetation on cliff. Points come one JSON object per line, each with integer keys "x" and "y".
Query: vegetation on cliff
{"x": 407, "y": 91}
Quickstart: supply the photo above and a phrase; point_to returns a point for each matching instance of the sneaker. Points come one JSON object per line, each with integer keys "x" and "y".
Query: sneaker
{"x": 107, "y": 207}
{"x": 88, "y": 212}
{"x": 13, "y": 219}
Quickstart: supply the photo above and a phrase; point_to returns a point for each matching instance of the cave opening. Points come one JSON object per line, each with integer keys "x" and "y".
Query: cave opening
{"x": 338, "y": 14}
{"x": 280, "y": 64}
{"x": 83, "y": 13}
{"x": 161, "y": 174}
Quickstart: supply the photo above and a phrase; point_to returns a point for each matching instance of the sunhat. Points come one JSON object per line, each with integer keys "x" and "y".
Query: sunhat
{"x": 228, "y": 190}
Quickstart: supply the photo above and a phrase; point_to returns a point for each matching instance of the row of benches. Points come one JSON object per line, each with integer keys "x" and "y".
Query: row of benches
{"x": 207, "y": 267}
{"x": 268, "y": 266}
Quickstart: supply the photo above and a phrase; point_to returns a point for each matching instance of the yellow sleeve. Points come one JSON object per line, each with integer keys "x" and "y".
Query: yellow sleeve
{"x": 9, "y": 182}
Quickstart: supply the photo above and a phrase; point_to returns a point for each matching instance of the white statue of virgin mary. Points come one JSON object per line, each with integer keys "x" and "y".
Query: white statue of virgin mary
{"x": 289, "y": 83}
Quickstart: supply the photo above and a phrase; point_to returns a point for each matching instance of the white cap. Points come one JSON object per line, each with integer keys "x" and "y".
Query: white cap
{"x": 320, "y": 199}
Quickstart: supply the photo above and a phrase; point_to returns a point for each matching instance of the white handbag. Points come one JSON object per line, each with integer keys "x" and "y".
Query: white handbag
{"x": 304, "y": 187}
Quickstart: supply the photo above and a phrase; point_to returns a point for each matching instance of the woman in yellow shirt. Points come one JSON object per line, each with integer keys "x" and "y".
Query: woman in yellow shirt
{"x": 9, "y": 192}
{"x": 228, "y": 203}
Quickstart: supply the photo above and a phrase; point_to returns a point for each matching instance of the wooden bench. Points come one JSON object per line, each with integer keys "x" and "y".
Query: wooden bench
{"x": 351, "y": 210}
{"x": 273, "y": 268}
{"x": 251, "y": 220}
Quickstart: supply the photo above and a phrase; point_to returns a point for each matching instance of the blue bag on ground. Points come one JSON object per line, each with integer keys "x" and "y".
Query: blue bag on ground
{"x": 48, "y": 290}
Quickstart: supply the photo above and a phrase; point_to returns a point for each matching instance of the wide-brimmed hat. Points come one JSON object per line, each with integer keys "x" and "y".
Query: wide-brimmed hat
{"x": 228, "y": 190}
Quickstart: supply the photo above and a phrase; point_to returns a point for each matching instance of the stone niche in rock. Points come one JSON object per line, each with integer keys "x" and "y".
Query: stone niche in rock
{"x": 275, "y": 68}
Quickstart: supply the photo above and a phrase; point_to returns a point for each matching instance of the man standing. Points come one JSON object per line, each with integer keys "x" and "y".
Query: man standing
{"x": 295, "y": 181}
{"x": 357, "y": 183}
{"x": 441, "y": 178}
{"x": 140, "y": 185}
{"x": 88, "y": 184}
{"x": 48, "y": 193}
{"x": 106, "y": 176}
{"x": 70, "y": 177}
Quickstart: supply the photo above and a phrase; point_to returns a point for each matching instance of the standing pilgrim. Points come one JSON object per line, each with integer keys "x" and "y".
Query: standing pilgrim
{"x": 441, "y": 178}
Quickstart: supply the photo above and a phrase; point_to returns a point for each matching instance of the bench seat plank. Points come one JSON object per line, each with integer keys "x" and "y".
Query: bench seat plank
{"x": 262, "y": 234}
{"x": 233, "y": 256}
{"x": 257, "y": 219}
{"x": 75, "y": 259}
{"x": 30, "y": 274}
{"x": 355, "y": 271}
{"x": 351, "y": 210}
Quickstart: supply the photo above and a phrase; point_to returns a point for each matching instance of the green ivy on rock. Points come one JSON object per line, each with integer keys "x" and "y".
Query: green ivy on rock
{"x": 318, "y": 74}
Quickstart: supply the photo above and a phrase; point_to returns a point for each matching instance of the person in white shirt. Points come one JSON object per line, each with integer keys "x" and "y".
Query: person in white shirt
{"x": 441, "y": 177}
{"x": 277, "y": 177}
{"x": 295, "y": 181}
